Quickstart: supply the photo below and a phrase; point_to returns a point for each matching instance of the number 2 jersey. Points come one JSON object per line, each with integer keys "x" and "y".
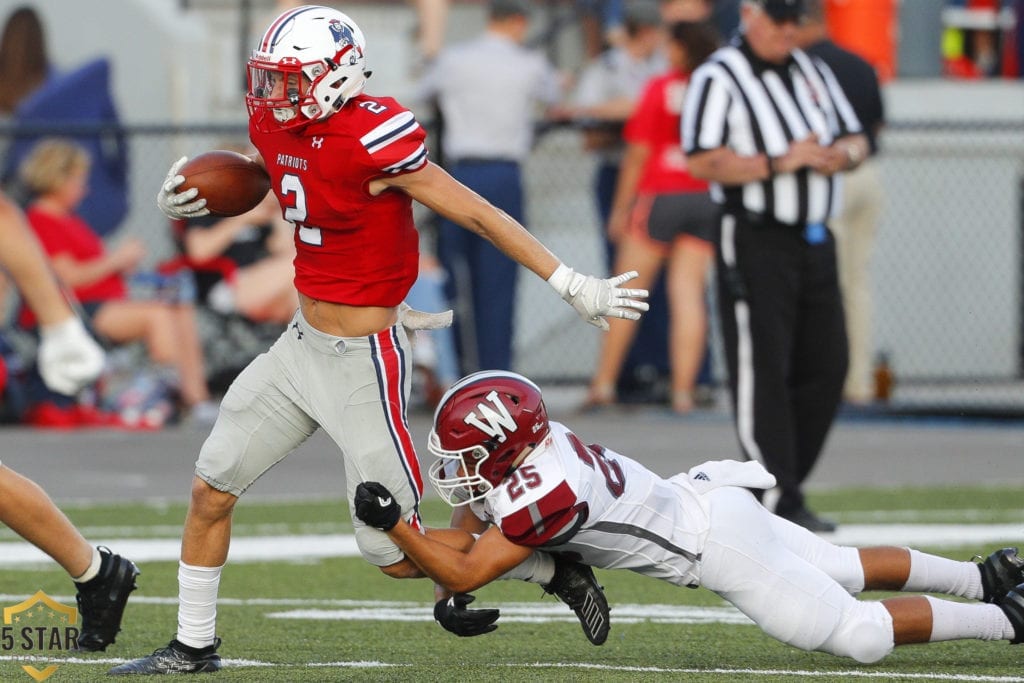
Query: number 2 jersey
{"x": 351, "y": 247}
{"x": 608, "y": 509}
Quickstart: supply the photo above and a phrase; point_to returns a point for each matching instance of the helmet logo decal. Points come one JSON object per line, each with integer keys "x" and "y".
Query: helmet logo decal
{"x": 496, "y": 418}
{"x": 342, "y": 34}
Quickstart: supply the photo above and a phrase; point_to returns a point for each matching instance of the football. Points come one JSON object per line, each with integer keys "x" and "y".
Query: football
{"x": 231, "y": 183}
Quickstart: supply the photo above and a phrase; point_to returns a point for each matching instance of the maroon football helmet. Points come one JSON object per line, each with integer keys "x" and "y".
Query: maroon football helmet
{"x": 484, "y": 426}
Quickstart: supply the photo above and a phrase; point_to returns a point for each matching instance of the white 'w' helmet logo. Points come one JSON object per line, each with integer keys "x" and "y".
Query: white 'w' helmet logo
{"x": 492, "y": 421}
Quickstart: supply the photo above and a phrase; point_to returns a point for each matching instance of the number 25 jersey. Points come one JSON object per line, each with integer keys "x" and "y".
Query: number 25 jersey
{"x": 351, "y": 247}
{"x": 608, "y": 509}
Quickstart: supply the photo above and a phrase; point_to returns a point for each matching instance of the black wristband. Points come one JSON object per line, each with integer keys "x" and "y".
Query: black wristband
{"x": 772, "y": 171}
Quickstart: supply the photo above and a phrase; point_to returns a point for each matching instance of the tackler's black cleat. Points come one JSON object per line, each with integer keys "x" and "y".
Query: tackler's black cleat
{"x": 575, "y": 585}
{"x": 1000, "y": 572}
{"x": 1012, "y": 605}
{"x": 101, "y": 601}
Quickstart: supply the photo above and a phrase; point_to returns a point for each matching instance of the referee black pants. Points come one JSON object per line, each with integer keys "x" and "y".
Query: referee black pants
{"x": 785, "y": 343}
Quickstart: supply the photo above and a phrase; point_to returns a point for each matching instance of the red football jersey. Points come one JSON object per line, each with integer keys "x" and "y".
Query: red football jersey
{"x": 351, "y": 247}
{"x": 656, "y": 123}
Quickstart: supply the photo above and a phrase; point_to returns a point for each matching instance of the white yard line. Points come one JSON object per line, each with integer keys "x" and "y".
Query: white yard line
{"x": 521, "y": 612}
{"x": 727, "y": 674}
{"x": 317, "y": 546}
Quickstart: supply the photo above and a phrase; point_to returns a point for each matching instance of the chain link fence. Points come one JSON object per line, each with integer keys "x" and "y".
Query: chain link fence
{"x": 947, "y": 272}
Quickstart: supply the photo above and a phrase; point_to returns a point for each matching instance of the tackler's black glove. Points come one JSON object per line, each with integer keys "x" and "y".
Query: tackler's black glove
{"x": 453, "y": 616}
{"x": 376, "y": 506}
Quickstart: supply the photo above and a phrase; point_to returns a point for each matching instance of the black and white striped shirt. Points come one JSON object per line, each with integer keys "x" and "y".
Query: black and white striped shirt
{"x": 739, "y": 101}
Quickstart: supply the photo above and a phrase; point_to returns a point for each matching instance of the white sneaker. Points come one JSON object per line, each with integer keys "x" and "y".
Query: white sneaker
{"x": 204, "y": 413}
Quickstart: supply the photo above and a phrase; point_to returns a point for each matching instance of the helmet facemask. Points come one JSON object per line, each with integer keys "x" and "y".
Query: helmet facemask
{"x": 455, "y": 474}
{"x": 309, "y": 63}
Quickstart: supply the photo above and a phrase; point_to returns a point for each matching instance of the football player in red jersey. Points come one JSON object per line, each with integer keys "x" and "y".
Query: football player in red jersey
{"x": 345, "y": 167}
{"x": 529, "y": 482}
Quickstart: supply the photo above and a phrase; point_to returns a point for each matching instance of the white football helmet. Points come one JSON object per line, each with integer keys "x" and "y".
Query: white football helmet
{"x": 306, "y": 66}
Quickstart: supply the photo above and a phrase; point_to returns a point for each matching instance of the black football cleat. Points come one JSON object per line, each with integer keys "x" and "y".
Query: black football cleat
{"x": 101, "y": 601}
{"x": 575, "y": 585}
{"x": 809, "y": 520}
{"x": 1001, "y": 571}
{"x": 1012, "y": 605}
{"x": 176, "y": 658}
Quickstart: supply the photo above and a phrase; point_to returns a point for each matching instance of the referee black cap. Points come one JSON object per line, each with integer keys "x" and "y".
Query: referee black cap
{"x": 782, "y": 10}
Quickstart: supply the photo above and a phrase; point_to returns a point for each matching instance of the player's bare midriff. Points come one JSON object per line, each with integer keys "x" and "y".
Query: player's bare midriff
{"x": 342, "y": 320}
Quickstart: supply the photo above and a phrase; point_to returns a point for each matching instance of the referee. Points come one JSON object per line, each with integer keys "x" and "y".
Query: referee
{"x": 771, "y": 128}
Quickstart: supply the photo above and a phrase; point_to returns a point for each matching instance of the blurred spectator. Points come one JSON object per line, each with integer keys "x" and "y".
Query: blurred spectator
{"x": 1017, "y": 52}
{"x": 76, "y": 104}
{"x": 604, "y": 97}
{"x": 56, "y": 173}
{"x": 243, "y": 264}
{"x": 602, "y": 24}
{"x": 244, "y": 274}
{"x": 488, "y": 90}
{"x": 606, "y": 93}
{"x": 673, "y": 11}
{"x": 24, "y": 65}
{"x": 973, "y": 40}
{"x": 431, "y": 22}
{"x": 856, "y": 224}
{"x": 662, "y": 213}
{"x": 726, "y": 17}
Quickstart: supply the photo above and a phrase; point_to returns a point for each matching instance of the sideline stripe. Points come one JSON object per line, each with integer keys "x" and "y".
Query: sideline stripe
{"x": 318, "y": 546}
{"x": 728, "y": 674}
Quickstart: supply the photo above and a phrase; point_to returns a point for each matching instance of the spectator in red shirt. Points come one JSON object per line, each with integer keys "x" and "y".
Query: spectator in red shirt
{"x": 661, "y": 213}
{"x": 55, "y": 173}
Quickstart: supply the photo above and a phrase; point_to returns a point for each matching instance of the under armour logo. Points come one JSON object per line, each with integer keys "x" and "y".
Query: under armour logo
{"x": 701, "y": 476}
{"x": 384, "y": 502}
{"x": 298, "y": 330}
{"x": 318, "y": 142}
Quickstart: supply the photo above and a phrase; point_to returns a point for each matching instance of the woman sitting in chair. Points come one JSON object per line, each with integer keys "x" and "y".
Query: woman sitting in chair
{"x": 55, "y": 173}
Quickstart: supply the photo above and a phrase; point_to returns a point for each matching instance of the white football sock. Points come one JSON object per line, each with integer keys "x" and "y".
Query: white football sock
{"x": 197, "y": 604}
{"x": 537, "y": 568}
{"x": 93, "y": 570}
{"x": 934, "y": 574}
{"x": 961, "y": 620}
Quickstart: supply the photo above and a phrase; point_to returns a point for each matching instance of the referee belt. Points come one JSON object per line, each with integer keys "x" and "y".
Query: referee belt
{"x": 813, "y": 233}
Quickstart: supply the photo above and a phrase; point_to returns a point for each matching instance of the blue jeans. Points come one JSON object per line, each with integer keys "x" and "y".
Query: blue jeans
{"x": 482, "y": 280}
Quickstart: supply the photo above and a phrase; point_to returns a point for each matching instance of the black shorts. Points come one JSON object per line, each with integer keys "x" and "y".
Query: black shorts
{"x": 664, "y": 218}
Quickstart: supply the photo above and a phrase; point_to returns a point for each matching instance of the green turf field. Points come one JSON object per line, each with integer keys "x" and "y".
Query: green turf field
{"x": 340, "y": 619}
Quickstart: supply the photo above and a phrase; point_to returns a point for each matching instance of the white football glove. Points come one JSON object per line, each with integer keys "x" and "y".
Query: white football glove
{"x": 69, "y": 359}
{"x": 595, "y": 299}
{"x": 179, "y": 204}
{"x": 412, "y": 319}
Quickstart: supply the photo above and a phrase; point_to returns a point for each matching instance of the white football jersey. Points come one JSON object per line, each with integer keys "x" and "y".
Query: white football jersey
{"x": 605, "y": 508}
